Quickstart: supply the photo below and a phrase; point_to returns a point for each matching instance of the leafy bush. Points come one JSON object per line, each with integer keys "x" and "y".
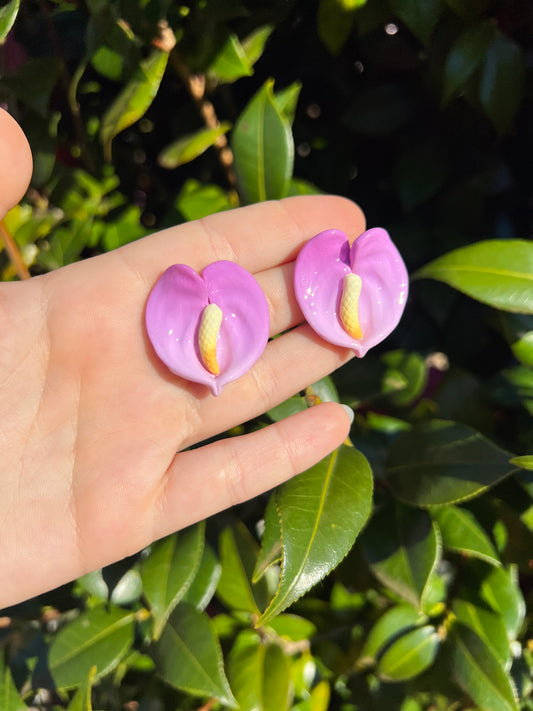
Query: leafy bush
{"x": 145, "y": 113}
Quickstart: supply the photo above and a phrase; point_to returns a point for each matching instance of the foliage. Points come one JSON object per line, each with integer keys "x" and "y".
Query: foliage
{"x": 396, "y": 573}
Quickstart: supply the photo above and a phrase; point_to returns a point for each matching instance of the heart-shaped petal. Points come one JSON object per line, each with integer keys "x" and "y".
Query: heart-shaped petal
{"x": 174, "y": 313}
{"x": 376, "y": 297}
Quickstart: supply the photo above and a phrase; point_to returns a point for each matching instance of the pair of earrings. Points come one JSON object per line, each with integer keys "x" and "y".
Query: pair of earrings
{"x": 211, "y": 328}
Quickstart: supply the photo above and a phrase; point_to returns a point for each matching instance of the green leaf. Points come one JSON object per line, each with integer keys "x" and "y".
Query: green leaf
{"x": 298, "y": 186}
{"x": 403, "y": 549}
{"x": 502, "y": 82}
{"x": 461, "y": 533}
{"x": 293, "y": 405}
{"x": 270, "y": 552}
{"x": 287, "y": 100}
{"x": 99, "y": 635}
{"x": 8, "y": 15}
{"x": 196, "y": 200}
{"x": 230, "y": 62}
{"x": 420, "y": 16}
{"x": 188, "y": 656}
{"x": 82, "y": 701}
{"x": 478, "y": 672}
{"x": 396, "y": 621}
{"x": 254, "y": 43}
{"x": 263, "y": 148}
{"x": 190, "y": 146}
{"x": 496, "y": 272}
{"x": 169, "y": 570}
{"x": 238, "y": 556}
{"x": 9, "y": 696}
{"x": 466, "y": 55}
{"x": 292, "y": 627}
{"x": 134, "y": 100}
{"x": 488, "y": 626}
{"x": 500, "y": 590}
{"x": 441, "y": 462}
{"x": 321, "y": 512}
{"x": 203, "y": 587}
{"x": 259, "y": 675}
{"x": 335, "y": 21}
{"x": 409, "y": 655}
{"x": 405, "y": 377}
{"x": 524, "y": 462}
{"x": 518, "y": 330}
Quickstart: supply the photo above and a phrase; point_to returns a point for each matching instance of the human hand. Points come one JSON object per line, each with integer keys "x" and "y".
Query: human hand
{"x": 93, "y": 424}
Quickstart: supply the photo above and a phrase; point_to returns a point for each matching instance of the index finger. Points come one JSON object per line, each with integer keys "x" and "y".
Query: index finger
{"x": 257, "y": 237}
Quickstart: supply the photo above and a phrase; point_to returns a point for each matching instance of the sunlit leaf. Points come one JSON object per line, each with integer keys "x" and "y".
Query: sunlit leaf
{"x": 335, "y": 21}
{"x": 9, "y": 697}
{"x": 524, "y": 462}
{"x": 409, "y": 655}
{"x": 461, "y": 533}
{"x": 263, "y": 148}
{"x": 169, "y": 570}
{"x": 254, "y": 43}
{"x": 403, "y": 549}
{"x": 188, "y": 656}
{"x": 270, "y": 551}
{"x": 196, "y": 200}
{"x": 98, "y": 636}
{"x": 321, "y": 512}
{"x": 133, "y": 101}
{"x": 518, "y": 330}
{"x": 496, "y": 272}
{"x": 397, "y": 620}
{"x": 488, "y": 626}
{"x": 82, "y": 701}
{"x": 230, "y": 62}
{"x": 441, "y": 462}
{"x": 500, "y": 590}
{"x": 8, "y": 15}
{"x": 190, "y": 146}
{"x": 205, "y": 582}
{"x": 287, "y": 100}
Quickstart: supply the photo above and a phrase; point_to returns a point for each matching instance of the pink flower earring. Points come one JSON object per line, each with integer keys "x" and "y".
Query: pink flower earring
{"x": 209, "y": 328}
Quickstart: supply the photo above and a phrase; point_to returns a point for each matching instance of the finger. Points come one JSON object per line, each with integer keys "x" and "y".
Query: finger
{"x": 257, "y": 237}
{"x": 204, "y": 481}
{"x": 289, "y": 364}
{"x": 15, "y": 163}
{"x": 277, "y": 286}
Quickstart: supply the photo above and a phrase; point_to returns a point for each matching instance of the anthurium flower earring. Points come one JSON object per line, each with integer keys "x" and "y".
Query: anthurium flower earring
{"x": 209, "y": 328}
{"x": 352, "y": 296}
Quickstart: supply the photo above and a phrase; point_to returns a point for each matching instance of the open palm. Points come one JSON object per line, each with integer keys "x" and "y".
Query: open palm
{"x": 93, "y": 424}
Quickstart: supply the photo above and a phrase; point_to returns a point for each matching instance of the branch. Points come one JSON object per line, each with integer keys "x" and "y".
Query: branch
{"x": 14, "y": 252}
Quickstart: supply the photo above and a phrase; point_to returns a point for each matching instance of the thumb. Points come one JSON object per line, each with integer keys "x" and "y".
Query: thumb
{"x": 16, "y": 163}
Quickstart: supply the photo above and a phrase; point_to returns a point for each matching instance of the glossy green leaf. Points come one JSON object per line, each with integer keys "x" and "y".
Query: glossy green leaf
{"x": 287, "y": 100}
{"x": 403, "y": 549}
{"x": 292, "y": 627}
{"x": 466, "y": 55}
{"x": 190, "y": 146}
{"x": 461, "y": 533}
{"x": 263, "y": 148}
{"x": 169, "y": 570}
{"x": 479, "y": 673}
{"x": 502, "y": 81}
{"x": 270, "y": 551}
{"x": 420, "y": 16}
{"x": 293, "y": 405}
{"x": 188, "y": 656}
{"x": 409, "y": 655}
{"x": 238, "y": 556}
{"x": 500, "y": 590}
{"x": 8, "y": 15}
{"x": 496, "y": 272}
{"x": 441, "y": 462}
{"x": 393, "y": 623}
{"x": 9, "y": 697}
{"x": 230, "y": 62}
{"x": 100, "y": 636}
{"x": 324, "y": 389}
{"x": 196, "y": 200}
{"x": 134, "y": 100}
{"x": 82, "y": 699}
{"x": 321, "y": 512}
{"x": 518, "y": 330}
{"x": 488, "y": 626}
{"x": 202, "y": 589}
{"x": 259, "y": 675}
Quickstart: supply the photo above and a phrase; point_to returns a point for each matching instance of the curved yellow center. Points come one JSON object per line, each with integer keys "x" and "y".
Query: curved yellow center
{"x": 349, "y": 308}
{"x": 208, "y": 335}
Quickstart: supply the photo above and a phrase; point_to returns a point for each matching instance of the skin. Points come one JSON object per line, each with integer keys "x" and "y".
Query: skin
{"x": 94, "y": 426}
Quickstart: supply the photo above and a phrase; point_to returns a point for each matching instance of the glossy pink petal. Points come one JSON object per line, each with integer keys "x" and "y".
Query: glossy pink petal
{"x": 174, "y": 311}
{"x": 319, "y": 275}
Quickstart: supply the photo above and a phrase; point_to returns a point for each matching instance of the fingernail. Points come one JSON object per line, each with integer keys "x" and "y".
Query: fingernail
{"x": 349, "y": 412}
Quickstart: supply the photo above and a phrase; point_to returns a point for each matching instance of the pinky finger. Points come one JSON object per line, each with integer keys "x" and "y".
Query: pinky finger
{"x": 201, "y": 482}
